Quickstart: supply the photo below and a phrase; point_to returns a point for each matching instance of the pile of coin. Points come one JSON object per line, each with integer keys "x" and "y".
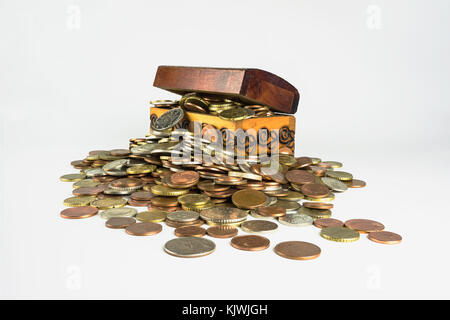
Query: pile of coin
{"x": 227, "y": 196}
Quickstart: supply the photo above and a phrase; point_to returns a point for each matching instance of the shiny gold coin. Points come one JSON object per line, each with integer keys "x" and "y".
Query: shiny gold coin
{"x": 194, "y": 199}
{"x": 235, "y": 114}
{"x": 72, "y": 177}
{"x": 340, "y": 175}
{"x": 339, "y": 234}
{"x": 333, "y": 164}
{"x": 151, "y": 216}
{"x": 78, "y": 201}
{"x": 164, "y": 201}
{"x": 109, "y": 203}
{"x": 249, "y": 199}
{"x": 85, "y": 184}
{"x": 315, "y": 213}
{"x": 140, "y": 169}
{"x": 166, "y": 191}
{"x": 292, "y": 196}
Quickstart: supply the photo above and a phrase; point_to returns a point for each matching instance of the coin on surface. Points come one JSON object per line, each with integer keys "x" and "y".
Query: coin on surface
{"x": 248, "y": 199}
{"x": 223, "y": 215}
{"x": 109, "y": 203}
{"x": 333, "y": 164}
{"x": 292, "y": 196}
{"x": 142, "y": 195}
{"x": 271, "y": 211}
{"x": 259, "y": 226}
{"x": 78, "y": 201}
{"x": 328, "y": 222}
{"x": 119, "y": 222}
{"x": 355, "y": 183}
{"x": 141, "y": 169}
{"x": 151, "y": 216}
{"x": 193, "y": 198}
{"x": 72, "y": 177}
{"x": 385, "y": 237}
{"x": 87, "y": 191}
{"x": 315, "y": 190}
{"x": 183, "y": 216}
{"x": 164, "y": 201}
{"x": 340, "y": 175}
{"x": 303, "y": 162}
{"x": 168, "y": 119}
{"x": 190, "y": 231}
{"x": 299, "y": 177}
{"x": 126, "y": 184}
{"x": 334, "y": 184}
{"x": 144, "y": 229}
{"x": 168, "y": 192}
{"x": 297, "y": 250}
{"x": 222, "y": 232}
{"x": 79, "y": 212}
{"x": 250, "y": 243}
{"x": 315, "y": 213}
{"x": 236, "y": 114}
{"x": 288, "y": 205}
{"x": 330, "y": 197}
{"x": 364, "y": 225}
{"x": 318, "y": 205}
{"x": 124, "y": 212}
{"x": 296, "y": 220}
{"x": 339, "y": 234}
{"x": 85, "y": 183}
{"x": 185, "y": 177}
{"x": 189, "y": 247}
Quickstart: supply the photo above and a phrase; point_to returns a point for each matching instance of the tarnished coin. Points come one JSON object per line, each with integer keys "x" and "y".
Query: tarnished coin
{"x": 117, "y": 167}
{"x": 223, "y": 215}
{"x": 189, "y": 247}
{"x": 94, "y": 172}
{"x": 385, "y": 237}
{"x": 73, "y": 177}
{"x": 290, "y": 206}
{"x": 339, "y": 234}
{"x": 297, "y": 250}
{"x": 315, "y": 190}
{"x": 299, "y": 177}
{"x": 271, "y": 211}
{"x": 85, "y": 183}
{"x": 119, "y": 223}
{"x": 78, "y": 201}
{"x": 296, "y": 220}
{"x": 259, "y": 226}
{"x": 250, "y": 243}
{"x": 364, "y": 225}
{"x": 151, "y": 216}
{"x": 334, "y": 184}
{"x": 340, "y": 175}
{"x": 328, "y": 222}
{"x": 124, "y": 212}
{"x": 355, "y": 183}
{"x": 119, "y": 152}
{"x": 168, "y": 119}
{"x": 79, "y": 212}
{"x": 109, "y": 203}
{"x": 249, "y": 199}
{"x": 222, "y": 232}
{"x": 183, "y": 216}
{"x": 144, "y": 229}
{"x": 190, "y": 231}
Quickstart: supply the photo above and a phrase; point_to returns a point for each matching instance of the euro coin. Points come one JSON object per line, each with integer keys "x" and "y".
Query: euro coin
{"x": 297, "y": 250}
{"x": 189, "y": 247}
{"x": 339, "y": 234}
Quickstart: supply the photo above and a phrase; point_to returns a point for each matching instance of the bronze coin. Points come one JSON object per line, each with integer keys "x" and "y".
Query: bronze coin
{"x": 119, "y": 152}
{"x": 299, "y": 177}
{"x": 303, "y": 162}
{"x": 318, "y": 205}
{"x": 87, "y": 191}
{"x": 190, "y": 231}
{"x": 79, "y": 212}
{"x": 355, "y": 183}
{"x": 324, "y": 165}
{"x": 221, "y": 194}
{"x": 297, "y": 250}
{"x": 211, "y": 186}
{"x": 147, "y": 179}
{"x": 364, "y": 225}
{"x": 167, "y": 209}
{"x": 385, "y": 237}
{"x": 142, "y": 195}
{"x": 104, "y": 179}
{"x": 272, "y": 211}
{"x": 184, "y": 177}
{"x": 328, "y": 222}
{"x": 143, "y": 229}
{"x": 119, "y": 222}
{"x": 222, "y": 232}
{"x": 126, "y": 183}
{"x": 160, "y": 201}
{"x": 315, "y": 190}
{"x": 177, "y": 224}
{"x": 318, "y": 171}
{"x": 250, "y": 243}
{"x": 137, "y": 203}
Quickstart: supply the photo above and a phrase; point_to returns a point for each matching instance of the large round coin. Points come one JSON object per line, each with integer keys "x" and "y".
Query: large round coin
{"x": 250, "y": 243}
{"x": 297, "y": 250}
{"x": 259, "y": 226}
{"x": 168, "y": 119}
{"x": 299, "y": 177}
{"x": 189, "y": 247}
{"x": 248, "y": 199}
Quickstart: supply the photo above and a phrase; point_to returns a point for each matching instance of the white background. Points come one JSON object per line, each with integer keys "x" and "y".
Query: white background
{"x": 373, "y": 76}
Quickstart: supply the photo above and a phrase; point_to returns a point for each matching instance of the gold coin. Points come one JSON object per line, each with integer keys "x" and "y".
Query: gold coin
{"x": 248, "y": 199}
{"x": 140, "y": 169}
{"x": 78, "y": 201}
{"x": 194, "y": 199}
{"x": 151, "y": 216}
{"x": 328, "y": 198}
{"x": 315, "y": 213}
{"x": 292, "y": 196}
{"x": 72, "y": 177}
{"x": 340, "y": 175}
{"x": 339, "y": 234}
{"x": 333, "y": 164}
{"x": 236, "y": 114}
{"x": 161, "y": 190}
{"x": 109, "y": 203}
{"x": 288, "y": 205}
{"x": 85, "y": 184}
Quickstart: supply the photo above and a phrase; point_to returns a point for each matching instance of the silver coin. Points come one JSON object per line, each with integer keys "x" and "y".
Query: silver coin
{"x": 117, "y": 167}
{"x": 259, "y": 226}
{"x": 168, "y": 119}
{"x": 334, "y": 184}
{"x": 271, "y": 201}
{"x": 123, "y": 212}
{"x": 189, "y": 247}
{"x": 118, "y": 192}
{"x": 288, "y": 205}
{"x": 183, "y": 216}
{"x": 296, "y": 220}
{"x": 255, "y": 214}
{"x": 95, "y": 172}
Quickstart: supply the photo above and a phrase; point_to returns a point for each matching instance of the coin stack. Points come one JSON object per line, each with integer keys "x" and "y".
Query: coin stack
{"x": 225, "y": 194}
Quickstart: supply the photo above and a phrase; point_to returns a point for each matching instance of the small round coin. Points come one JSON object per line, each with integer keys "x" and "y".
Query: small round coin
{"x": 185, "y": 177}
{"x": 299, "y": 177}
{"x": 144, "y": 229}
{"x": 385, "y": 237}
{"x": 339, "y": 234}
{"x": 79, "y": 212}
{"x": 355, "y": 183}
{"x": 119, "y": 222}
{"x": 223, "y": 215}
{"x": 334, "y": 184}
{"x": 364, "y": 225}
{"x": 124, "y": 212}
{"x": 259, "y": 226}
{"x": 340, "y": 175}
{"x": 328, "y": 222}
{"x": 182, "y": 216}
{"x": 151, "y": 216}
{"x": 272, "y": 211}
{"x": 297, "y": 250}
{"x": 190, "y": 231}
{"x": 315, "y": 190}
{"x": 189, "y": 247}
{"x": 250, "y": 243}
{"x": 296, "y": 220}
{"x": 78, "y": 201}
{"x": 318, "y": 205}
{"x": 222, "y": 232}
{"x": 109, "y": 203}
{"x": 72, "y": 177}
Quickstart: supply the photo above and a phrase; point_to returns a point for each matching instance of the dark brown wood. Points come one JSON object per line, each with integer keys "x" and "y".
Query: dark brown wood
{"x": 253, "y": 86}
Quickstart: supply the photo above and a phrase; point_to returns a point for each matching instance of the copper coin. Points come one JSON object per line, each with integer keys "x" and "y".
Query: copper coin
{"x": 272, "y": 211}
{"x": 250, "y": 243}
{"x": 142, "y": 195}
{"x": 119, "y": 222}
{"x": 144, "y": 229}
{"x": 385, "y": 237}
{"x": 137, "y": 203}
{"x": 355, "y": 183}
{"x": 87, "y": 191}
{"x": 184, "y": 177}
{"x": 364, "y": 225}
{"x": 299, "y": 177}
{"x": 79, "y": 212}
{"x": 318, "y": 171}
{"x": 119, "y": 152}
{"x": 315, "y": 190}
{"x": 318, "y": 205}
{"x": 148, "y": 179}
{"x": 177, "y": 224}
{"x": 164, "y": 201}
{"x": 222, "y": 232}
{"x": 126, "y": 183}
{"x": 297, "y": 250}
{"x": 190, "y": 231}
{"x": 328, "y": 222}
{"x": 167, "y": 209}
{"x": 221, "y": 194}
{"x": 104, "y": 178}
{"x": 211, "y": 186}
{"x": 303, "y": 162}
{"x": 324, "y": 165}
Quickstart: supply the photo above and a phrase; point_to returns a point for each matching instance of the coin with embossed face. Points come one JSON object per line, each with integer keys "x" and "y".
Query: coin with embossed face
{"x": 168, "y": 119}
{"x": 189, "y": 247}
